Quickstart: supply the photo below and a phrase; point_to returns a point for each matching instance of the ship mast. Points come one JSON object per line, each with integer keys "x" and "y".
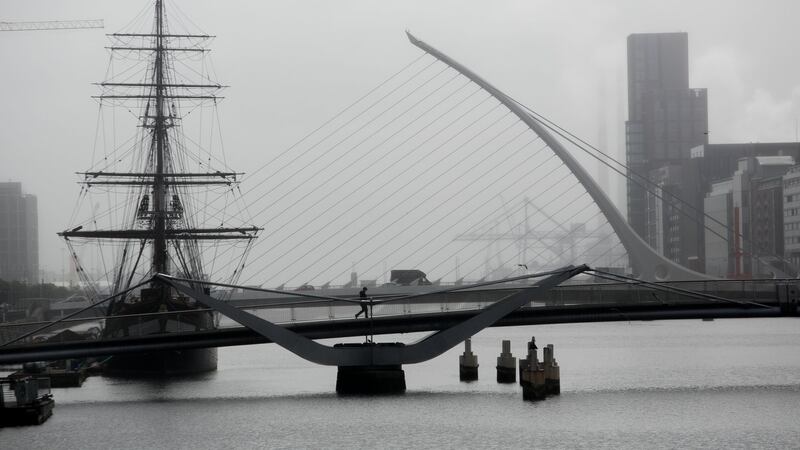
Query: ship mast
{"x": 160, "y": 260}
{"x": 160, "y": 220}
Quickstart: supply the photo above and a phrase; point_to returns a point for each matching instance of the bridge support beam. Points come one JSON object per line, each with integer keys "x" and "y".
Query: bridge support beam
{"x": 370, "y": 379}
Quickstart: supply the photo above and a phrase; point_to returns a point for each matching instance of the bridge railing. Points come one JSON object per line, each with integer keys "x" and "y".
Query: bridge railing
{"x": 333, "y": 310}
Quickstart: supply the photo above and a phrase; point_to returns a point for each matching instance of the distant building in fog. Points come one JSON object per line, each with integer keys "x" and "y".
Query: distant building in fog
{"x": 741, "y": 186}
{"x": 744, "y": 234}
{"x": 718, "y": 208}
{"x": 665, "y": 120}
{"x": 19, "y": 234}
{"x": 675, "y": 214}
{"x": 712, "y": 163}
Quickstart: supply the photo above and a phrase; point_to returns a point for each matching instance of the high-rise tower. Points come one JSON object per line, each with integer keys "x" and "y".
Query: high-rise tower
{"x": 19, "y": 234}
{"x": 666, "y": 119}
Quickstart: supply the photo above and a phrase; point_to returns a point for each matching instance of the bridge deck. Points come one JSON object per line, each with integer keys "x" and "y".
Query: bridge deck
{"x": 398, "y": 324}
{"x": 321, "y": 318}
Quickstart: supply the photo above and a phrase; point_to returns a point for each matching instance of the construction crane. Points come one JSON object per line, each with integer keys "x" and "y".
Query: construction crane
{"x": 51, "y": 25}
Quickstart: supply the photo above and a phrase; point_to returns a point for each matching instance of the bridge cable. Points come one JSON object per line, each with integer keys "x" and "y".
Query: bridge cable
{"x": 329, "y": 149}
{"x": 486, "y": 216}
{"x": 462, "y": 130}
{"x": 278, "y": 170}
{"x": 336, "y": 116}
{"x": 306, "y": 223}
{"x": 319, "y": 186}
{"x": 455, "y": 208}
{"x": 345, "y": 183}
{"x": 353, "y": 133}
{"x": 445, "y": 128}
{"x": 445, "y": 201}
{"x": 421, "y": 187}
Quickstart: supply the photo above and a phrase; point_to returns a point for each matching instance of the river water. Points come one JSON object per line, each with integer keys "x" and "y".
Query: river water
{"x": 668, "y": 384}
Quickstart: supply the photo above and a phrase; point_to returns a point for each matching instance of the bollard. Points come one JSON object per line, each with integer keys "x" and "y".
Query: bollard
{"x": 506, "y": 365}
{"x": 552, "y": 373}
{"x": 523, "y": 363}
{"x": 468, "y": 363}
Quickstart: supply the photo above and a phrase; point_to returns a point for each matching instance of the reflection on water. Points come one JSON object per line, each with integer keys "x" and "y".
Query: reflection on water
{"x": 641, "y": 384}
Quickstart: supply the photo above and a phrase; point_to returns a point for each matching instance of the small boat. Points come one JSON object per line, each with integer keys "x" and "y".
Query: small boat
{"x": 25, "y": 400}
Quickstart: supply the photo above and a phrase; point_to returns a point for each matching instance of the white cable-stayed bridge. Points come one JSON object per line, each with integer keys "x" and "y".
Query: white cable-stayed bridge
{"x": 414, "y": 175}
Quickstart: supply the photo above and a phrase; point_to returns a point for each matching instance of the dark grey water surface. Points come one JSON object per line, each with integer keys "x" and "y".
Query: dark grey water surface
{"x": 678, "y": 384}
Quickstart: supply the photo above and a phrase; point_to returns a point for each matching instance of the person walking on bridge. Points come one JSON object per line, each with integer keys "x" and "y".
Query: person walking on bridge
{"x": 362, "y": 296}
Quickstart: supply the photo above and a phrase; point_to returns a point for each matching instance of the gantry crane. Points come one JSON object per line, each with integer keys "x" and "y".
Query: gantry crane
{"x": 51, "y": 25}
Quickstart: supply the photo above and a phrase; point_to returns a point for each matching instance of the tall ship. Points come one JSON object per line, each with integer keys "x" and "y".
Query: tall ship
{"x": 159, "y": 197}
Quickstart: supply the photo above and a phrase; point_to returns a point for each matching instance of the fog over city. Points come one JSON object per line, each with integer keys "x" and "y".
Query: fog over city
{"x": 291, "y": 66}
{"x": 362, "y": 224}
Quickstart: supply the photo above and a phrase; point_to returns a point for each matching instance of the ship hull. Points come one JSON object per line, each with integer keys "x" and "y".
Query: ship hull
{"x": 174, "y": 315}
{"x": 163, "y": 363}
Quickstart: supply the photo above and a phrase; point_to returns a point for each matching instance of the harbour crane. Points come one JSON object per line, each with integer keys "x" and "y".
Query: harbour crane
{"x": 51, "y": 25}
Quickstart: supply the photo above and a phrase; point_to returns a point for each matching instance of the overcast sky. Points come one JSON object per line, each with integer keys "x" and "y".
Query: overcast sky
{"x": 292, "y": 64}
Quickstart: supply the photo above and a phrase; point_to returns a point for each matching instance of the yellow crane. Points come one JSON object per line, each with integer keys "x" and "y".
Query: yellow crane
{"x": 51, "y": 25}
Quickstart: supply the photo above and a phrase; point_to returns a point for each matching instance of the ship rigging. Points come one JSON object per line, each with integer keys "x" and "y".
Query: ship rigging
{"x": 158, "y": 196}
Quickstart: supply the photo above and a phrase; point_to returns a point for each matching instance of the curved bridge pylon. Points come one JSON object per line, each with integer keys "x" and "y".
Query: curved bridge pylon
{"x": 647, "y": 264}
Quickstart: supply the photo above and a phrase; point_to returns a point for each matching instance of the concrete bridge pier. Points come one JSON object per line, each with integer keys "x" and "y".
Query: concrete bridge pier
{"x": 370, "y": 379}
{"x": 468, "y": 363}
{"x": 506, "y": 365}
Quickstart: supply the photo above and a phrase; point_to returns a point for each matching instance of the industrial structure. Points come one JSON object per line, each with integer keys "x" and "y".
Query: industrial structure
{"x": 51, "y": 25}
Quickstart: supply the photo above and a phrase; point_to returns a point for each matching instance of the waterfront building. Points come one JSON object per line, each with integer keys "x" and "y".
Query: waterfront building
{"x": 708, "y": 164}
{"x": 744, "y": 220}
{"x": 19, "y": 234}
{"x": 718, "y": 232}
{"x": 791, "y": 216}
{"x": 672, "y": 219}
